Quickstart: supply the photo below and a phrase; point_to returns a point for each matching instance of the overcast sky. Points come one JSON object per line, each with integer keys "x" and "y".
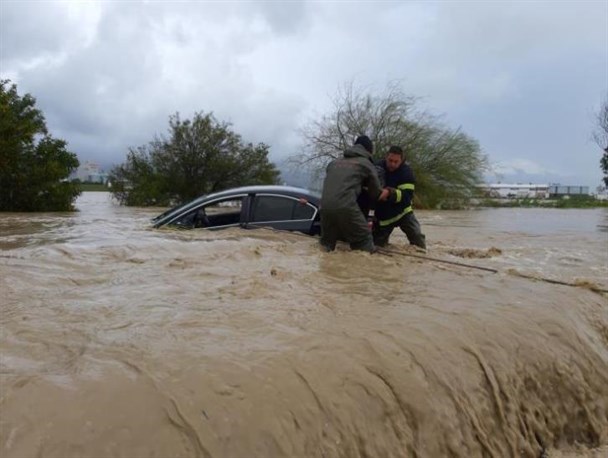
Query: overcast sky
{"x": 524, "y": 78}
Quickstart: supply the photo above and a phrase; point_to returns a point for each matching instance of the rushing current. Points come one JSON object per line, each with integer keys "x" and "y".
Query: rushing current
{"x": 119, "y": 340}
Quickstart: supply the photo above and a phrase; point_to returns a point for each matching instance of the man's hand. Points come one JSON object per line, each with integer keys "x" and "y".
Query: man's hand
{"x": 384, "y": 194}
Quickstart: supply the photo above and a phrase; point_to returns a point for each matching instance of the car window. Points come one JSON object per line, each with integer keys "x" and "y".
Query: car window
{"x": 224, "y": 212}
{"x": 272, "y": 208}
{"x": 276, "y": 208}
{"x": 219, "y": 213}
{"x": 189, "y": 220}
{"x": 303, "y": 211}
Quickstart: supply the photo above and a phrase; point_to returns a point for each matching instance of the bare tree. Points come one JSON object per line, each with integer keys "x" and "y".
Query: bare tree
{"x": 355, "y": 114}
{"x": 447, "y": 162}
{"x": 601, "y": 137}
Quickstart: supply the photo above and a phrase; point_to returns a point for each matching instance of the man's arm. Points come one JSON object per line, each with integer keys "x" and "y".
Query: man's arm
{"x": 404, "y": 192}
{"x": 374, "y": 188}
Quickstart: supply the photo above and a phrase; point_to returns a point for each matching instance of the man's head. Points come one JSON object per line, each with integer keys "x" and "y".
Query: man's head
{"x": 394, "y": 158}
{"x": 365, "y": 142}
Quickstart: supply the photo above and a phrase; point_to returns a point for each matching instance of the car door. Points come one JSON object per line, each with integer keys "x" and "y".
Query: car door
{"x": 282, "y": 212}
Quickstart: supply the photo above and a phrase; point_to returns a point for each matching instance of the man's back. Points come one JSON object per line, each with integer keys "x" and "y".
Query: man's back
{"x": 341, "y": 218}
{"x": 345, "y": 178}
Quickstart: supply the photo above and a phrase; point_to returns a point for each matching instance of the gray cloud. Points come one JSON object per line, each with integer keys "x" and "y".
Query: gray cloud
{"x": 522, "y": 77}
{"x": 284, "y": 18}
{"x": 32, "y": 31}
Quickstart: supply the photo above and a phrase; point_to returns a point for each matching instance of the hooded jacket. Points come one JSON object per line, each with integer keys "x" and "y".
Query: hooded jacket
{"x": 401, "y": 182}
{"x": 346, "y": 177}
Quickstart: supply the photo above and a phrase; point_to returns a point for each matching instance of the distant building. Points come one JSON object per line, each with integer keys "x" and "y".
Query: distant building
{"x": 531, "y": 191}
{"x": 91, "y": 172}
{"x": 515, "y": 191}
{"x": 561, "y": 191}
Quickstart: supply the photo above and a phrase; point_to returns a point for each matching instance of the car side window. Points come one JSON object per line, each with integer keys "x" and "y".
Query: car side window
{"x": 303, "y": 211}
{"x": 276, "y": 208}
{"x": 272, "y": 208}
{"x": 219, "y": 213}
{"x": 224, "y": 212}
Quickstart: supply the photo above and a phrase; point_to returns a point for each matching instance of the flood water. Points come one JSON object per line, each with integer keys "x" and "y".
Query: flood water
{"x": 118, "y": 340}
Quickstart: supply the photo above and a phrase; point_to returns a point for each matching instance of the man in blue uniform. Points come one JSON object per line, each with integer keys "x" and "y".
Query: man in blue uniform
{"x": 397, "y": 211}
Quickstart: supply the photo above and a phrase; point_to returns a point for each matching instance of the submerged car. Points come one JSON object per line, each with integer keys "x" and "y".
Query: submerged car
{"x": 279, "y": 207}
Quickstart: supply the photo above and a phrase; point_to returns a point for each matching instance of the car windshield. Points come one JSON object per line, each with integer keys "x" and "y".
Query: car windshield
{"x": 176, "y": 208}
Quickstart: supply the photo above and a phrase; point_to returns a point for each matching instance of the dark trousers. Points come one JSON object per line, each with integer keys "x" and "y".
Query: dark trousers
{"x": 348, "y": 225}
{"x": 410, "y": 227}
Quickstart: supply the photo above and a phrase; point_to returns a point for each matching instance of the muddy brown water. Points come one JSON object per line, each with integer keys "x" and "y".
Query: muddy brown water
{"x": 118, "y": 340}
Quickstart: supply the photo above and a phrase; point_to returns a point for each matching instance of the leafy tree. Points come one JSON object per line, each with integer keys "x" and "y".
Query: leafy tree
{"x": 34, "y": 167}
{"x": 601, "y": 138}
{"x": 447, "y": 162}
{"x": 198, "y": 157}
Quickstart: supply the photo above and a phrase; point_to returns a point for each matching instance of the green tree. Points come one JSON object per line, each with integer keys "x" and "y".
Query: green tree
{"x": 447, "y": 162}
{"x": 34, "y": 167}
{"x": 601, "y": 138}
{"x": 198, "y": 157}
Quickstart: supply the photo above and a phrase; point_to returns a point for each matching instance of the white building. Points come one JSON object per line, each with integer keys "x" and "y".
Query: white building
{"x": 91, "y": 172}
{"x": 518, "y": 190}
{"x": 531, "y": 191}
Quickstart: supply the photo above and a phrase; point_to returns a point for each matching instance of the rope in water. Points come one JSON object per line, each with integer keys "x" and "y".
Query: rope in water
{"x": 589, "y": 286}
{"x": 428, "y": 258}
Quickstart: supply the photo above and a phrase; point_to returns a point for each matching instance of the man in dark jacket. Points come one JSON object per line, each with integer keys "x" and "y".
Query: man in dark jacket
{"x": 341, "y": 217}
{"x": 396, "y": 210}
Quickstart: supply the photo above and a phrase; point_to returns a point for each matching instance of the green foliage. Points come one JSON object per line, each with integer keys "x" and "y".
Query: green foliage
{"x": 199, "y": 156}
{"x": 447, "y": 162}
{"x": 34, "y": 166}
{"x": 93, "y": 187}
{"x": 579, "y": 202}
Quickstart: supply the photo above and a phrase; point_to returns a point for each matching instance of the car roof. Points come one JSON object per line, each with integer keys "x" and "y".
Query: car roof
{"x": 291, "y": 191}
